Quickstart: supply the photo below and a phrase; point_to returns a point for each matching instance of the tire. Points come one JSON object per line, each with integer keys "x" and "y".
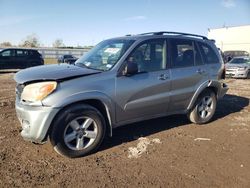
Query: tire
{"x": 78, "y": 131}
{"x": 204, "y": 108}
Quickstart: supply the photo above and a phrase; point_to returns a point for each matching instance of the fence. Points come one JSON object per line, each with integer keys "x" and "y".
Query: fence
{"x": 56, "y": 52}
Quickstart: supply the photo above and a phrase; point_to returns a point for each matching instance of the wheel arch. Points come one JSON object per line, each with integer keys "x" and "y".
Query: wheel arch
{"x": 100, "y": 105}
{"x": 210, "y": 84}
{"x": 104, "y": 110}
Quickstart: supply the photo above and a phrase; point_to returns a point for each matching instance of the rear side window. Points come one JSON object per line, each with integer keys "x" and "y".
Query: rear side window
{"x": 21, "y": 53}
{"x": 182, "y": 53}
{"x": 208, "y": 54}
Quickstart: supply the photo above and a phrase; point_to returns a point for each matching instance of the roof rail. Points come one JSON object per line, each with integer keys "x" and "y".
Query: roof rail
{"x": 174, "y": 33}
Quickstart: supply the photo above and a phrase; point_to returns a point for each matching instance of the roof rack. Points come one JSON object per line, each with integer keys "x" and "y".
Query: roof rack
{"x": 174, "y": 33}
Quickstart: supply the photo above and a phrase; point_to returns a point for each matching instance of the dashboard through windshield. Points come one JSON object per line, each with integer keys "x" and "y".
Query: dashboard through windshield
{"x": 105, "y": 54}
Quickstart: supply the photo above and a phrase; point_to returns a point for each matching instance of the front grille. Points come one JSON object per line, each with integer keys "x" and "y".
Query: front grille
{"x": 19, "y": 90}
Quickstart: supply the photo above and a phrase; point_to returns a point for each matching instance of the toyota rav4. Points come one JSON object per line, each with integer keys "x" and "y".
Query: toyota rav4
{"x": 120, "y": 81}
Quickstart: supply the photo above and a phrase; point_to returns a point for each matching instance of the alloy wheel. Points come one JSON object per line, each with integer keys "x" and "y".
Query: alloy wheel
{"x": 205, "y": 107}
{"x": 80, "y": 133}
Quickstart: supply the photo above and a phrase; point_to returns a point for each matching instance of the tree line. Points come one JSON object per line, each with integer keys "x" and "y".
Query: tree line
{"x": 32, "y": 41}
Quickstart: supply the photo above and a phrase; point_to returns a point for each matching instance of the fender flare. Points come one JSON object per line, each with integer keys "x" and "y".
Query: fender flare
{"x": 91, "y": 95}
{"x": 207, "y": 84}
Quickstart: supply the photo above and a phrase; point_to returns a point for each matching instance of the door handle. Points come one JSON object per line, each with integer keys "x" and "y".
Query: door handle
{"x": 200, "y": 71}
{"x": 163, "y": 77}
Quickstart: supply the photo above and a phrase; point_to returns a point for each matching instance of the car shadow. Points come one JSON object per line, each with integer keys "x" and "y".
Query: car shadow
{"x": 226, "y": 106}
{"x": 230, "y": 104}
{"x": 8, "y": 71}
{"x": 133, "y": 131}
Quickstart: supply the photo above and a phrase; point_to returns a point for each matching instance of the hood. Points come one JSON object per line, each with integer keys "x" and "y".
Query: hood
{"x": 58, "y": 72}
{"x": 228, "y": 65}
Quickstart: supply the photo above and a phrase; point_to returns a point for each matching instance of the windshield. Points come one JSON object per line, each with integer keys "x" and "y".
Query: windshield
{"x": 240, "y": 61}
{"x": 105, "y": 54}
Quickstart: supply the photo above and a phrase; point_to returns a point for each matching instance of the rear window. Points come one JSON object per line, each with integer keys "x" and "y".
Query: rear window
{"x": 208, "y": 54}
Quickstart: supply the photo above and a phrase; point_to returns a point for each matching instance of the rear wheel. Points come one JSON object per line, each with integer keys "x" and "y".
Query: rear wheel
{"x": 78, "y": 131}
{"x": 204, "y": 108}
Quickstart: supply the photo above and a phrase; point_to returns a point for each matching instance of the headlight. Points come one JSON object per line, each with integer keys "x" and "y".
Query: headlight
{"x": 37, "y": 91}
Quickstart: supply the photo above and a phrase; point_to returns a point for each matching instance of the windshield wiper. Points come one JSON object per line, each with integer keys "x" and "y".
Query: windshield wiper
{"x": 85, "y": 66}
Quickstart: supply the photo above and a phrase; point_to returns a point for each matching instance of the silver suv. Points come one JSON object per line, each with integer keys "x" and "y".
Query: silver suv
{"x": 120, "y": 81}
{"x": 238, "y": 67}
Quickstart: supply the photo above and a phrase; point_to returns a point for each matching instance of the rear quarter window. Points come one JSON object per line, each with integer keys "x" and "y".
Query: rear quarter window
{"x": 34, "y": 53}
{"x": 208, "y": 54}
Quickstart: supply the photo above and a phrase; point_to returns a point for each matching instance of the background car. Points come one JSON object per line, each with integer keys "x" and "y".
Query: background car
{"x": 70, "y": 59}
{"x": 229, "y": 55}
{"x": 19, "y": 58}
{"x": 238, "y": 67}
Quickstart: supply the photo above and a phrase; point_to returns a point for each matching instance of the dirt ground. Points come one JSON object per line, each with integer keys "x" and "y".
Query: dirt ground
{"x": 165, "y": 152}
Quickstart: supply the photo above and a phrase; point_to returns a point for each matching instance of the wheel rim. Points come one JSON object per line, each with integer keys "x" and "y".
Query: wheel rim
{"x": 205, "y": 107}
{"x": 80, "y": 133}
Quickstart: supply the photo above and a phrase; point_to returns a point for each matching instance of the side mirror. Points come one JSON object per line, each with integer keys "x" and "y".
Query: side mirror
{"x": 131, "y": 69}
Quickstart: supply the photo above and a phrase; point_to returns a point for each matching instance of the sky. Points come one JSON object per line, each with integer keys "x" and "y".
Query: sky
{"x": 87, "y": 22}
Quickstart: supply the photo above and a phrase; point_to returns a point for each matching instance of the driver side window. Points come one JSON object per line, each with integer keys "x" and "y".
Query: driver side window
{"x": 149, "y": 56}
{"x": 7, "y": 53}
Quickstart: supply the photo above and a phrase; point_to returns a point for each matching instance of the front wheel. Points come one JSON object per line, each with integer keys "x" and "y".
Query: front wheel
{"x": 204, "y": 108}
{"x": 78, "y": 131}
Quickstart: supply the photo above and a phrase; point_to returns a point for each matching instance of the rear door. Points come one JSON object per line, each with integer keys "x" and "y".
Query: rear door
{"x": 187, "y": 72}
{"x": 145, "y": 94}
{"x": 21, "y": 58}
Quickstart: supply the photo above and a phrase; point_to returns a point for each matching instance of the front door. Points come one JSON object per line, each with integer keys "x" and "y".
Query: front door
{"x": 145, "y": 94}
{"x": 7, "y": 59}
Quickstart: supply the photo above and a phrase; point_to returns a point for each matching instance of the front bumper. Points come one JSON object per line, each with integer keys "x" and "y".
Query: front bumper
{"x": 35, "y": 121}
{"x": 234, "y": 73}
